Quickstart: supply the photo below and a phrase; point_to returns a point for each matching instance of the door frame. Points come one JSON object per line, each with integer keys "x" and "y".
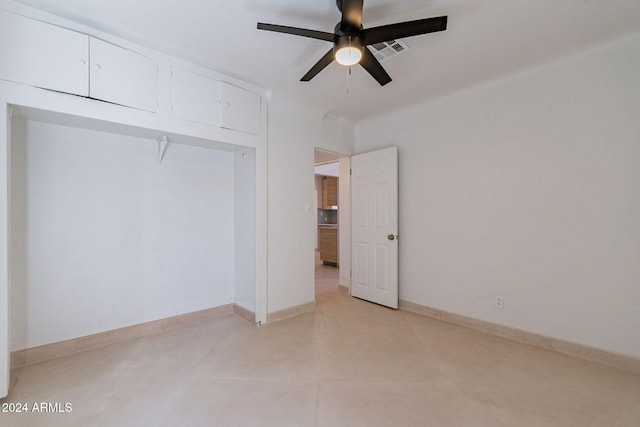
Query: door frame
{"x": 344, "y": 212}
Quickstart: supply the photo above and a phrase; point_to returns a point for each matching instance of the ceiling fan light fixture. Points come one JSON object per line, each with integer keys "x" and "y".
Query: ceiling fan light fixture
{"x": 348, "y": 55}
{"x": 348, "y": 50}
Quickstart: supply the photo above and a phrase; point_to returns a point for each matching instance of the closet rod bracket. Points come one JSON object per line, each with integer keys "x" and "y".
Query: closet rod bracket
{"x": 162, "y": 146}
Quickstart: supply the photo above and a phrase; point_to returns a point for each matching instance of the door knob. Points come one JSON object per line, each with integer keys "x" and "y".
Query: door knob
{"x": 391, "y": 237}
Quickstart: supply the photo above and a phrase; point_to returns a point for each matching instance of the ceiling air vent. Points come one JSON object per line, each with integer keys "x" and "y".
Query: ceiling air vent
{"x": 385, "y": 50}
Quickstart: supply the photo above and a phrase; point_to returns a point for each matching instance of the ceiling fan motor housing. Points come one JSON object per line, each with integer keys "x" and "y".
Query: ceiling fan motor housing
{"x": 347, "y": 41}
{"x": 345, "y": 37}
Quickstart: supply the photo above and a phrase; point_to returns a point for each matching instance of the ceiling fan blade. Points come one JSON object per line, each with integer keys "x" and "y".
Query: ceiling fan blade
{"x": 373, "y": 67}
{"x": 320, "y": 65}
{"x": 351, "y": 14}
{"x": 320, "y": 35}
{"x": 403, "y": 29}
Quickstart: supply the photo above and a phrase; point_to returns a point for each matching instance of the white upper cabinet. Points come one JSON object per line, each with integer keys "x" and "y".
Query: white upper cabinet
{"x": 240, "y": 109}
{"x": 55, "y": 58}
{"x": 204, "y": 100}
{"x": 122, "y": 76}
{"x": 195, "y": 97}
{"x": 43, "y": 55}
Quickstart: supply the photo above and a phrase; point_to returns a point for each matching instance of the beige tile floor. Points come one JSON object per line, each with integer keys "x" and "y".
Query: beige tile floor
{"x": 350, "y": 363}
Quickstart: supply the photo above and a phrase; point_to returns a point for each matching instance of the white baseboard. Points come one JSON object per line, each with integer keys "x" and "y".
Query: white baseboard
{"x": 290, "y": 312}
{"x": 616, "y": 360}
{"x": 245, "y": 313}
{"x": 41, "y": 353}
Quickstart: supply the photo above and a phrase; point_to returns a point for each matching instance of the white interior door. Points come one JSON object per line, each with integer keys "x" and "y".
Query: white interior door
{"x": 374, "y": 226}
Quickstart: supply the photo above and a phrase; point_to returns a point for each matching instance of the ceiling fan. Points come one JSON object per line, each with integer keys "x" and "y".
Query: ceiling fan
{"x": 350, "y": 39}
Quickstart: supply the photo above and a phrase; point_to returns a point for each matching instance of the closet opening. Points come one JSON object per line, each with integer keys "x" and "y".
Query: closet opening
{"x": 110, "y": 227}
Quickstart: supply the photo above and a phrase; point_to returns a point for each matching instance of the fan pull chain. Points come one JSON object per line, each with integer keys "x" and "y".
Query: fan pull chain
{"x": 349, "y": 72}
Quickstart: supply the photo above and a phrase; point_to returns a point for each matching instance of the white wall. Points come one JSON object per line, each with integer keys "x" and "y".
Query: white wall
{"x": 295, "y": 130}
{"x": 344, "y": 221}
{"x": 5, "y": 214}
{"x": 245, "y": 228}
{"x": 104, "y": 236}
{"x": 529, "y": 188}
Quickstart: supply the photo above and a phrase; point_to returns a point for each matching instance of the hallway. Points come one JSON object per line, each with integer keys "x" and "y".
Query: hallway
{"x": 326, "y": 278}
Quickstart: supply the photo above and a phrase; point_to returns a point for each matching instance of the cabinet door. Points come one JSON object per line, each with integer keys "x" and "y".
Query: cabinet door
{"x": 328, "y": 244}
{"x": 240, "y": 109}
{"x": 329, "y": 192}
{"x": 122, "y": 76}
{"x": 195, "y": 97}
{"x": 43, "y": 55}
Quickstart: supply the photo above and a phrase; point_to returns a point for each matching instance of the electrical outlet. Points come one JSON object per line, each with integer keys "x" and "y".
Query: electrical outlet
{"x": 499, "y": 302}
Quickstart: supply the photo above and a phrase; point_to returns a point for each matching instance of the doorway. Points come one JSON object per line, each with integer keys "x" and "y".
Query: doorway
{"x": 370, "y": 270}
{"x": 332, "y": 225}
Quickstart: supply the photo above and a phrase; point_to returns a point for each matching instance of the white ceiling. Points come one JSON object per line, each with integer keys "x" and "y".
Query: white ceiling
{"x": 485, "y": 40}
